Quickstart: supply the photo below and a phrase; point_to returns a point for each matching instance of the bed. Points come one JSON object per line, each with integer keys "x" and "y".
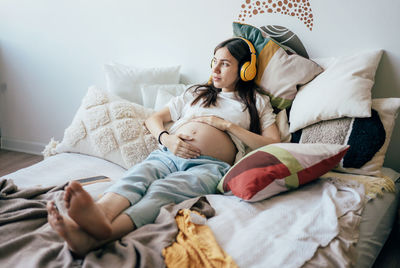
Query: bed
{"x": 333, "y": 216}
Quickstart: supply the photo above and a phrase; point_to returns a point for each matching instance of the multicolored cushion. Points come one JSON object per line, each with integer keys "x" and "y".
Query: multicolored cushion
{"x": 368, "y": 137}
{"x": 278, "y": 71}
{"x": 279, "y": 167}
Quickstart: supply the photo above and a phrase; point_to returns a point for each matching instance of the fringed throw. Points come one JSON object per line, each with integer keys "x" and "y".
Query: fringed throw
{"x": 374, "y": 186}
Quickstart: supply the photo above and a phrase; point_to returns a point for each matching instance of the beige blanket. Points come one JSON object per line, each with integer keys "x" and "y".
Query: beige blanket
{"x": 28, "y": 241}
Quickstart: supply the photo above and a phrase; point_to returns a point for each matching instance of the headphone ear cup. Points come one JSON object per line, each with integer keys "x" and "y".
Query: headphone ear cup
{"x": 210, "y": 81}
{"x": 243, "y": 70}
{"x": 248, "y": 71}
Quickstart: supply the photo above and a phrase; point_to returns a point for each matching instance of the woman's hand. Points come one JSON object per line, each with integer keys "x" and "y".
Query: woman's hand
{"x": 177, "y": 145}
{"x": 214, "y": 121}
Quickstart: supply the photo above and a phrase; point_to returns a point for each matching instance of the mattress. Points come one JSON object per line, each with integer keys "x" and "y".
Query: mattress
{"x": 64, "y": 167}
{"x": 376, "y": 223}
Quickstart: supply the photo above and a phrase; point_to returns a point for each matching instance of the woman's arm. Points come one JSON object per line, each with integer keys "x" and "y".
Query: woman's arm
{"x": 269, "y": 135}
{"x": 175, "y": 143}
{"x": 155, "y": 123}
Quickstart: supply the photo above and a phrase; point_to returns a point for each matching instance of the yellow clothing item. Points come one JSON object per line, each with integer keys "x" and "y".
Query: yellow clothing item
{"x": 195, "y": 245}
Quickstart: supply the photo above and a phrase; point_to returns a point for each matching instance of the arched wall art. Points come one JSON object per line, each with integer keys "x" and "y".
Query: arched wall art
{"x": 295, "y": 8}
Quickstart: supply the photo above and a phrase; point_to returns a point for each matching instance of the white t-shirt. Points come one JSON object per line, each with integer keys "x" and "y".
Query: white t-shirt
{"x": 228, "y": 106}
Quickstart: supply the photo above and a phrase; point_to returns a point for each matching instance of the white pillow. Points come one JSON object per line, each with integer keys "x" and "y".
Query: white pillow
{"x": 107, "y": 127}
{"x": 342, "y": 89}
{"x": 149, "y": 92}
{"x": 125, "y": 81}
{"x": 164, "y": 95}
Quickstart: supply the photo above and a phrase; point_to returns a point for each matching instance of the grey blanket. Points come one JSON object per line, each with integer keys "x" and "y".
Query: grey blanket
{"x": 27, "y": 240}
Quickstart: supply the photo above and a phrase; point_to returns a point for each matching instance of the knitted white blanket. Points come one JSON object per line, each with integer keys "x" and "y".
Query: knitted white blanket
{"x": 286, "y": 230}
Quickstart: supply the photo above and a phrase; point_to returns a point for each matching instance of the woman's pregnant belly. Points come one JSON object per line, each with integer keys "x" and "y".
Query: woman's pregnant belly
{"x": 210, "y": 140}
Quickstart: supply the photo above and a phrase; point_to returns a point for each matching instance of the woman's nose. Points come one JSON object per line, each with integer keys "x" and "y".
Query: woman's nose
{"x": 216, "y": 68}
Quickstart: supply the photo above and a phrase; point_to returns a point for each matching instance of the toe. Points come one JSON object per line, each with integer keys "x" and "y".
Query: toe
{"x": 50, "y": 206}
{"x": 75, "y": 186}
{"x": 67, "y": 198}
{"x": 69, "y": 191}
{"x": 67, "y": 194}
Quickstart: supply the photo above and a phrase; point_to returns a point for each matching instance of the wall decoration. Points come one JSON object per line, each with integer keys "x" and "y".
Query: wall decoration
{"x": 295, "y": 8}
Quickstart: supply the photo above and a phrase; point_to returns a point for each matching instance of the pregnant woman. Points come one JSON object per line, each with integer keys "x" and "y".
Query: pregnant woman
{"x": 213, "y": 124}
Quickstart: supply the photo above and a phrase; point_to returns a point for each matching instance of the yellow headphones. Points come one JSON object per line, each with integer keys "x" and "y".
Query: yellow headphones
{"x": 248, "y": 70}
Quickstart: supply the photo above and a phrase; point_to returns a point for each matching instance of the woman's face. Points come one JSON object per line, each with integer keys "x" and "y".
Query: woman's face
{"x": 224, "y": 70}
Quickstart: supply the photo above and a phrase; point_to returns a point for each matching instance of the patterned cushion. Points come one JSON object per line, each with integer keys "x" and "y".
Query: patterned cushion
{"x": 279, "y": 167}
{"x": 108, "y": 127}
{"x": 368, "y": 137}
{"x": 278, "y": 71}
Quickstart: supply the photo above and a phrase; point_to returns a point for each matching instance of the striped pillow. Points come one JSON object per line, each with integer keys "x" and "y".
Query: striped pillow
{"x": 279, "y": 167}
{"x": 278, "y": 71}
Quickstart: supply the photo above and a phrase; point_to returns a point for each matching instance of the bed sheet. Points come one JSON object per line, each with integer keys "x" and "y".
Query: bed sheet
{"x": 376, "y": 223}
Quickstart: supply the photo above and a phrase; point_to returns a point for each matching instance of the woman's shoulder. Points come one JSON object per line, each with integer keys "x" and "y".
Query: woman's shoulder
{"x": 195, "y": 88}
{"x": 187, "y": 94}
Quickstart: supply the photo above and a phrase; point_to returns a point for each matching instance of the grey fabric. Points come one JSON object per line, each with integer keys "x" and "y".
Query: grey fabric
{"x": 376, "y": 224}
{"x": 330, "y": 131}
{"x": 27, "y": 240}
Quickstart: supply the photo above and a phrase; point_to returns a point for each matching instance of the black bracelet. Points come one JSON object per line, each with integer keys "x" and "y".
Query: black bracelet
{"x": 159, "y": 136}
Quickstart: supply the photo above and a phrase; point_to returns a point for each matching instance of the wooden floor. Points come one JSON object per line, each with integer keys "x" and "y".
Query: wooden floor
{"x": 388, "y": 258}
{"x": 11, "y": 161}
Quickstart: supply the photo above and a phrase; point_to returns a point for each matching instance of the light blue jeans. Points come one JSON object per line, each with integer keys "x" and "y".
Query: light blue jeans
{"x": 164, "y": 178}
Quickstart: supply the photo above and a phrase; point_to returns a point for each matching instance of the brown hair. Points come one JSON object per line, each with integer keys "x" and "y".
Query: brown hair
{"x": 246, "y": 90}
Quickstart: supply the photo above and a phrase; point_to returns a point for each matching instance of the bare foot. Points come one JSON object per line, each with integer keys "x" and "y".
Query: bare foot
{"x": 78, "y": 241}
{"x": 84, "y": 211}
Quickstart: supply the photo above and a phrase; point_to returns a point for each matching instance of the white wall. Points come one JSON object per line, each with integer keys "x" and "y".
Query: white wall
{"x": 51, "y": 51}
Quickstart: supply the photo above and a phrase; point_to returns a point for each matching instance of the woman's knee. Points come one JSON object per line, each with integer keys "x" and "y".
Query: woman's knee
{"x": 150, "y": 169}
{"x": 190, "y": 186}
